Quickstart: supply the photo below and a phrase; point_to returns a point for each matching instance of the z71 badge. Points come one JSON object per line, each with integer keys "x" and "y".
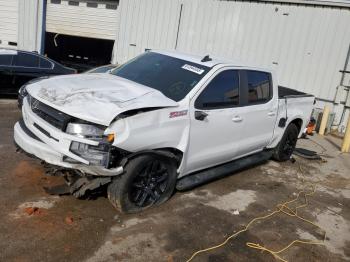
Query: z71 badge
{"x": 178, "y": 113}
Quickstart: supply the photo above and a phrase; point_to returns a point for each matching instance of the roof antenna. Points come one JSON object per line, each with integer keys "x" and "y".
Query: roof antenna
{"x": 206, "y": 59}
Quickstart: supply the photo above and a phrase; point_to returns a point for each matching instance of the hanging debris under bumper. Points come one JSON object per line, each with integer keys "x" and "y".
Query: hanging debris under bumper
{"x": 78, "y": 184}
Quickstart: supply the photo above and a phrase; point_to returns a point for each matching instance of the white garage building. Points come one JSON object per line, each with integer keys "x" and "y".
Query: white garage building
{"x": 8, "y": 23}
{"x": 306, "y": 42}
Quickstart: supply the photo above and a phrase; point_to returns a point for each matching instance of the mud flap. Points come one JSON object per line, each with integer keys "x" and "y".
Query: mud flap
{"x": 305, "y": 153}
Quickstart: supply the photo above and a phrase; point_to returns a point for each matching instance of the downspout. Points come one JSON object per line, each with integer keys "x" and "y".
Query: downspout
{"x": 43, "y": 27}
{"x": 35, "y": 48}
{"x": 342, "y": 84}
{"x": 345, "y": 67}
{"x": 178, "y": 27}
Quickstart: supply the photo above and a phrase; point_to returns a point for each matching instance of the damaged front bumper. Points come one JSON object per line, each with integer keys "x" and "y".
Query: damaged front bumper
{"x": 36, "y": 137}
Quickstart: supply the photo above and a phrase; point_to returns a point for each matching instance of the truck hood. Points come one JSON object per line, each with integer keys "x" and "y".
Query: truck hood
{"x": 97, "y": 98}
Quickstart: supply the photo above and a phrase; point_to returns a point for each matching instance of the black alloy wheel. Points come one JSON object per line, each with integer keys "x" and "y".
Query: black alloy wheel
{"x": 286, "y": 146}
{"x": 147, "y": 180}
{"x": 290, "y": 143}
{"x": 149, "y": 185}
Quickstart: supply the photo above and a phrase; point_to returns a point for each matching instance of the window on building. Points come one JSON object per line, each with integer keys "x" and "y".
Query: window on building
{"x": 221, "y": 92}
{"x": 259, "y": 87}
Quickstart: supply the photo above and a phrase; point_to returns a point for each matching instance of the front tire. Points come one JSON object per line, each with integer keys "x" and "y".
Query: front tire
{"x": 286, "y": 146}
{"x": 148, "y": 180}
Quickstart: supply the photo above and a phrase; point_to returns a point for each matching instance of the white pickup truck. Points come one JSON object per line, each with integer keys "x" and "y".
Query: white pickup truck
{"x": 161, "y": 121}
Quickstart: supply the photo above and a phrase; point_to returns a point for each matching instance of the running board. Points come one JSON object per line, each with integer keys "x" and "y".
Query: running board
{"x": 207, "y": 175}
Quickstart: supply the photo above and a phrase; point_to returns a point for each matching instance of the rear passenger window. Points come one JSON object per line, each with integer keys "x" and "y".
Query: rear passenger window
{"x": 45, "y": 64}
{"x": 5, "y": 60}
{"x": 259, "y": 87}
{"x": 25, "y": 60}
{"x": 221, "y": 92}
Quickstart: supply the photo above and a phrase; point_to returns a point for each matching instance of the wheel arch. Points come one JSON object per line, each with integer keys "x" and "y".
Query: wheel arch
{"x": 168, "y": 152}
{"x": 298, "y": 122}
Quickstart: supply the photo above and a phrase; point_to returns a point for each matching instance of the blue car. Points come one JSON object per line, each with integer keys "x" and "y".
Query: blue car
{"x": 18, "y": 67}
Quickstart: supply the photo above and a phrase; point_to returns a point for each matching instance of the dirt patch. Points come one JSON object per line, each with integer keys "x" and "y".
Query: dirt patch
{"x": 189, "y": 221}
{"x": 30, "y": 176}
{"x": 234, "y": 202}
{"x": 337, "y": 182}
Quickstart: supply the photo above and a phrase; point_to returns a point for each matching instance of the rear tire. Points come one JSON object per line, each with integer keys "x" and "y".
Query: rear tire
{"x": 286, "y": 146}
{"x": 148, "y": 180}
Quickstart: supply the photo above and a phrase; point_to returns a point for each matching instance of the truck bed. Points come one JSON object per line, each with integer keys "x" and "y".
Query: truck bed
{"x": 285, "y": 92}
{"x": 292, "y": 104}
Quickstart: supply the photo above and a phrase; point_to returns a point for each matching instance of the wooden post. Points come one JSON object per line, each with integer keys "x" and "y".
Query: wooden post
{"x": 345, "y": 148}
{"x": 324, "y": 120}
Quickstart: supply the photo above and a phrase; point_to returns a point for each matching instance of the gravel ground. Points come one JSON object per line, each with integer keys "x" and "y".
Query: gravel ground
{"x": 68, "y": 229}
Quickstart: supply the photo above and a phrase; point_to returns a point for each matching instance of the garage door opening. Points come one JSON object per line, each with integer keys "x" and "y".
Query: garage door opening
{"x": 81, "y": 53}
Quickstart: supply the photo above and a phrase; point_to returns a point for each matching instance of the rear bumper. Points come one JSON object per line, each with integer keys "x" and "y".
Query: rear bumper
{"x": 31, "y": 144}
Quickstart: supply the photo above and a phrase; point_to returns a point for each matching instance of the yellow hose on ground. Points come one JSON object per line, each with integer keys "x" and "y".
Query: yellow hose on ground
{"x": 280, "y": 208}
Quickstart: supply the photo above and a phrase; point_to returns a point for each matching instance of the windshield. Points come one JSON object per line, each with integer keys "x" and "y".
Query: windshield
{"x": 174, "y": 77}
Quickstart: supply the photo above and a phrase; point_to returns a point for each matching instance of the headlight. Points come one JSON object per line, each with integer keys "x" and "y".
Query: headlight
{"x": 23, "y": 91}
{"x": 85, "y": 130}
{"x": 96, "y": 155}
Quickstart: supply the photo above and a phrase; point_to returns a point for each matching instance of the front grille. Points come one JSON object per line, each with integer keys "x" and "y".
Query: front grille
{"x": 54, "y": 117}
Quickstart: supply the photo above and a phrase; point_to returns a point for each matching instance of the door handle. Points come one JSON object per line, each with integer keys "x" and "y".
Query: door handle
{"x": 271, "y": 113}
{"x": 237, "y": 119}
{"x": 200, "y": 115}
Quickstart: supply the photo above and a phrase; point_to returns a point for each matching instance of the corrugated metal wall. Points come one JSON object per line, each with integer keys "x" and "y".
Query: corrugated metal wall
{"x": 30, "y": 25}
{"x": 89, "y": 19}
{"x": 146, "y": 24}
{"x": 8, "y": 23}
{"x": 306, "y": 45}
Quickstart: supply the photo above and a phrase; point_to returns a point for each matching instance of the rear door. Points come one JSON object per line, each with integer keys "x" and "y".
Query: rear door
{"x": 25, "y": 66}
{"x": 6, "y": 77}
{"x": 258, "y": 111}
{"x": 215, "y": 128}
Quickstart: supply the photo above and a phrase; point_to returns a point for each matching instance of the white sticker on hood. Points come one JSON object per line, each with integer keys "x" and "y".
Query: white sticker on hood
{"x": 193, "y": 69}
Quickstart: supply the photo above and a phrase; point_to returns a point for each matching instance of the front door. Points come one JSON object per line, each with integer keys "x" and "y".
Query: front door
{"x": 216, "y": 127}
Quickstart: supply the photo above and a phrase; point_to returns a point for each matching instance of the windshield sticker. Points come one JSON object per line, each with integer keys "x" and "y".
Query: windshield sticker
{"x": 193, "y": 69}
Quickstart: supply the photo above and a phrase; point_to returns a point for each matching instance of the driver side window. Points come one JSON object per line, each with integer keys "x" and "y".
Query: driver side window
{"x": 221, "y": 92}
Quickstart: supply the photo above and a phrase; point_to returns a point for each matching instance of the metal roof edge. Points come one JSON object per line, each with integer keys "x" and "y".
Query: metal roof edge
{"x": 322, "y": 3}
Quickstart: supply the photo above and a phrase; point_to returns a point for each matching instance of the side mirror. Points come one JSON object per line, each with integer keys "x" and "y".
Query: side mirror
{"x": 200, "y": 115}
